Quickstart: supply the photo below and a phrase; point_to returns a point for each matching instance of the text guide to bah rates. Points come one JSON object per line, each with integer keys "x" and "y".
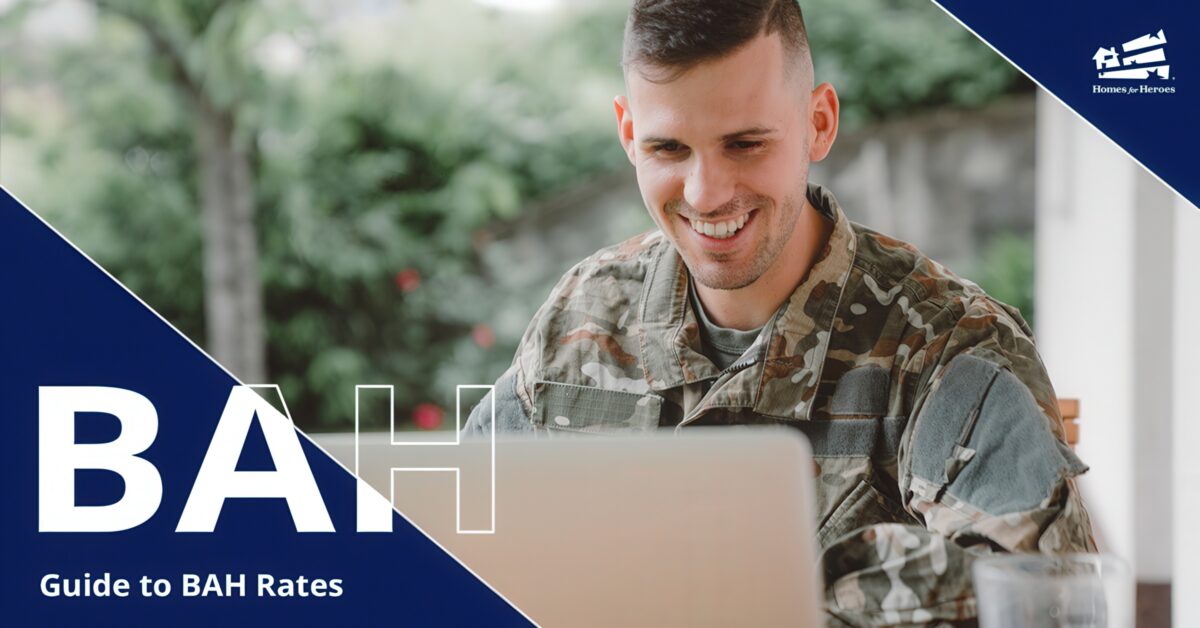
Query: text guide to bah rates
{"x": 190, "y": 585}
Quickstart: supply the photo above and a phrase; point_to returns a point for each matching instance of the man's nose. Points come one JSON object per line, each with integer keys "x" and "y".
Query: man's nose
{"x": 708, "y": 186}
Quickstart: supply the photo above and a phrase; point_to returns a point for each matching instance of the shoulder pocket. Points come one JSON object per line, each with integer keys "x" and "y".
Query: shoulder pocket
{"x": 983, "y": 440}
{"x": 583, "y": 409}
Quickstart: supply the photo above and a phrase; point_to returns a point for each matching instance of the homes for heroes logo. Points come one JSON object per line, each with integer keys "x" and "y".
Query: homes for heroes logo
{"x": 1140, "y": 59}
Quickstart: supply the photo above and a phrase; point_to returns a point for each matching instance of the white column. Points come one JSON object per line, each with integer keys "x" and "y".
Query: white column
{"x": 1153, "y": 377}
{"x": 1085, "y": 305}
{"x": 1112, "y": 307}
{"x": 1186, "y": 438}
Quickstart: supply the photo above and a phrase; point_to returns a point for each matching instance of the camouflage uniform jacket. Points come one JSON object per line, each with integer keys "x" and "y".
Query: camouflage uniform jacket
{"x": 934, "y": 428}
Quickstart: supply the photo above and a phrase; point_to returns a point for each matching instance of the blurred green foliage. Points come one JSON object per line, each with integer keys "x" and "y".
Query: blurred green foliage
{"x": 384, "y": 158}
{"x": 1005, "y": 271}
{"x": 890, "y": 57}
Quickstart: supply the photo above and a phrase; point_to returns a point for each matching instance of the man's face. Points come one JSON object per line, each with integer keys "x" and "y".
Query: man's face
{"x": 722, "y": 155}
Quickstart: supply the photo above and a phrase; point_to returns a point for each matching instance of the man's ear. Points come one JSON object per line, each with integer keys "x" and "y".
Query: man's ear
{"x": 625, "y": 126}
{"x": 823, "y": 121}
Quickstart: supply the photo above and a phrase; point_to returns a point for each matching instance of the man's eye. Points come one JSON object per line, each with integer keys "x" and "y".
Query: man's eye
{"x": 746, "y": 144}
{"x": 669, "y": 148}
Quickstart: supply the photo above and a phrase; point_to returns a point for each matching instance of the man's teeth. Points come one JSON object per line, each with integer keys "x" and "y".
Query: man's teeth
{"x": 720, "y": 230}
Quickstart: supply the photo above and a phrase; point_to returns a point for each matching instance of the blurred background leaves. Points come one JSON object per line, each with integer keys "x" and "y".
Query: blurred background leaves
{"x": 388, "y": 145}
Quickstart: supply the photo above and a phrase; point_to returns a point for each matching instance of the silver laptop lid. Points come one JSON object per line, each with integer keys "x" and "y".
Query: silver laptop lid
{"x": 710, "y": 528}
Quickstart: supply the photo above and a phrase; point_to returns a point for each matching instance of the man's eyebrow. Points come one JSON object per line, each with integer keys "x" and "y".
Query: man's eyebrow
{"x": 757, "y": 130}
{"x": 658, "y": 140}
{"x": 752, "y": 131}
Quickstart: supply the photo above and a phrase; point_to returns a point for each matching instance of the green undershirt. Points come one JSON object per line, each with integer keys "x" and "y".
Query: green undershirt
{"x": 722, "y": 345}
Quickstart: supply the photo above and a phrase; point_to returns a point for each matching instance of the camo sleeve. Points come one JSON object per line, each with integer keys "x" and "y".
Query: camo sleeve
{"x": 982, "y": 466}
{"x": 502, "y": 404}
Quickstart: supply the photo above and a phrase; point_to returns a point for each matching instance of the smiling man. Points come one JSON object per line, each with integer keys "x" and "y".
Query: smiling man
{"x": 933, "y": 424}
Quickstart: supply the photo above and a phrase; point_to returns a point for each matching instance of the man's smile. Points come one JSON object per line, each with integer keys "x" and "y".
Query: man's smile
{"x": 720, "y": 235}
{"x": 719, "y": 230}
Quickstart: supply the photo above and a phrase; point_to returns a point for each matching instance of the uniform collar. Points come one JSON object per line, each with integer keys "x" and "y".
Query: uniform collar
{"x": 792, "y": 344}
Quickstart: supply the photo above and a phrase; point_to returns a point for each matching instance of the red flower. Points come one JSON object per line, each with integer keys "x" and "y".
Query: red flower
{"x": 408, "y": 279}
{"x": 483, "y": 336}
{"x": 427, "y": 416}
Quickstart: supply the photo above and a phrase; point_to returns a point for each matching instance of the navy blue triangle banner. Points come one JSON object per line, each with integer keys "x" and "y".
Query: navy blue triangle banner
{"x": 1130, "y": 69}
{"x": 68, "y": 331}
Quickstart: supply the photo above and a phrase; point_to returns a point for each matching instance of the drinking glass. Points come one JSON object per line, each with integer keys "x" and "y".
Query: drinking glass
{"x": 1054, "y": 591}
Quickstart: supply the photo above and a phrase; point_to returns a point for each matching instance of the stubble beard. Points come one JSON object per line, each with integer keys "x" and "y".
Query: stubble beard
{"x": 717, "y": 274}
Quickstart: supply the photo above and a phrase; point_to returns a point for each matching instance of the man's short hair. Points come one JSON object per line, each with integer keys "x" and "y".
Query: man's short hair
{"x": 669, "y": 37}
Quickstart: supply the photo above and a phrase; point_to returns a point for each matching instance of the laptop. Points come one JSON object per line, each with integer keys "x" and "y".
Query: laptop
{"x": 710, "y": 528}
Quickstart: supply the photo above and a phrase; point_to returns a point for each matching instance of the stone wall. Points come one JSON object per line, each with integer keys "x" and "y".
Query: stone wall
{"x": 946, "y": 181}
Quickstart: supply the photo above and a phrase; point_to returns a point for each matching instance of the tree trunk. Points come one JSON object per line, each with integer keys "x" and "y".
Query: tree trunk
{"x": 232, "y": 287}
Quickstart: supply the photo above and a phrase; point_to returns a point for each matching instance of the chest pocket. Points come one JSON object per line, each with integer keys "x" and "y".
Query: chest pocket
{"x": 865, "y": 505}
{"x": 851, "y": 491}
{"x": 848, "y": 446}
{"x": 586, "y": 410}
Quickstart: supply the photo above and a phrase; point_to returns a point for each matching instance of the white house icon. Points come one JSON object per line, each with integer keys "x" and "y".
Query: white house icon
{"x": 1140, "y": 59}
{"x": 1106, "y": 58}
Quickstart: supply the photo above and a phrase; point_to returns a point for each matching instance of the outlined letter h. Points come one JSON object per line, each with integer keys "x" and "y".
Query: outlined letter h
{"x": 474, "y": 475}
